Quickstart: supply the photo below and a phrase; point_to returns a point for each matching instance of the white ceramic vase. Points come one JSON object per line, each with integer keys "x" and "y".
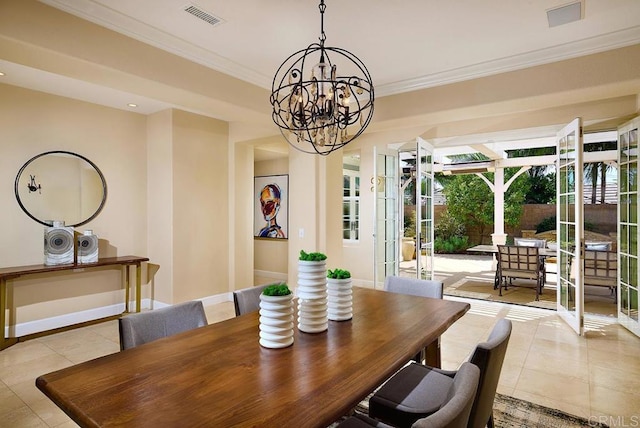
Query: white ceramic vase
{"x": 340, "y": 299}
{"x": 312, "y": 296}
{"x": 276, "y": 321}
{"x": 58, "y": 244}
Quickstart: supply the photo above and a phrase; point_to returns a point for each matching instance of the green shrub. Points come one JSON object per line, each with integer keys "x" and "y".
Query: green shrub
{"x": 276, "y": 290}
{"x": 548, "y": 223}
{"x": 312, "y": 257}
{"x": 455, "y": 244}
{"x": 449, "y": 227}
{"x": 338, "y": 274}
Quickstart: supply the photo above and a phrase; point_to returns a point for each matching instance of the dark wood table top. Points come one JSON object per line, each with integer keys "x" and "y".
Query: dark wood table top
{"x": 16, "y": 271}
{"x": 219, "y": 376}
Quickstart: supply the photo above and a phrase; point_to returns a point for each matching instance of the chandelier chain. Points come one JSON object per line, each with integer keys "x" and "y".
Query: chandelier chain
{"x": 323, "y": 36}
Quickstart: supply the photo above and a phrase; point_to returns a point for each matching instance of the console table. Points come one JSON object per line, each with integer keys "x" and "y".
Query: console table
{"x": 8, "y": 273}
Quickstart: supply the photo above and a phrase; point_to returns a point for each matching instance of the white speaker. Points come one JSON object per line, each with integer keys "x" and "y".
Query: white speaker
{"x": 58, "y": 244}
{"x": 87, "y": 247}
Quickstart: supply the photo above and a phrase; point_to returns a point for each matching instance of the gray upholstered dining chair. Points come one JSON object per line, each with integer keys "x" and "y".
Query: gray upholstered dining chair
{"x": 139, "y": 328}
{"x": 248, "y": 299}
{"x": 456, "y": 399}
{"x": 416, "y": 391}
{"x": 422, "y": 288}
{"x": 414, "y": 286}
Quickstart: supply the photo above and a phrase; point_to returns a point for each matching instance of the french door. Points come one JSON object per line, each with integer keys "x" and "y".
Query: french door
{"x": 424, "y": 209}
{"x": 628, "y": 253}
{"x": 384, "y": 185}
{"x": 570, "y": 230}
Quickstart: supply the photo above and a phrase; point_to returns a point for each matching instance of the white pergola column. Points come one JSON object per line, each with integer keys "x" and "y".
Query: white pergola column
{"x": 498, "y": 187}
{"x": 498, "y": 237}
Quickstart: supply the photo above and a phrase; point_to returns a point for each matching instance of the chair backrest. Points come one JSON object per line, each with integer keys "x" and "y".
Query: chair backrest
{"x": 414, "y": 286}
{"x": 248, "y": 299}
{"x": 600, "y": 268}
{"x": 488, "y": 357}
{"x": 139, "y": 328}
{"x": 530, "y": 242}
{"x": 518, "y": 261}
{"x": 456, "y": 410}
{"x": 598, "y": 246}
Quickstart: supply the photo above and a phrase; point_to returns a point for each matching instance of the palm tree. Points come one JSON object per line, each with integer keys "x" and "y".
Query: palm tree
{"x": 592, "y": 170}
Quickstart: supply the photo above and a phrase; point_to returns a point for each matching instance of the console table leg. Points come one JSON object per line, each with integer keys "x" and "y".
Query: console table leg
{"x": 138, "y": 286}
{"x": 126, "y": 288}
{"x": 5, "y": 341}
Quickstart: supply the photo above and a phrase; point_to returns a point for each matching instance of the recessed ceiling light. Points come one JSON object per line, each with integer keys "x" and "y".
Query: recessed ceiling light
{"x": 132, "y": 105}
{"x": 2, "y": 74}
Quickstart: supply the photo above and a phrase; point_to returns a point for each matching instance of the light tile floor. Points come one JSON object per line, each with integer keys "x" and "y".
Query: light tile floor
{"x": 546, "y": 363}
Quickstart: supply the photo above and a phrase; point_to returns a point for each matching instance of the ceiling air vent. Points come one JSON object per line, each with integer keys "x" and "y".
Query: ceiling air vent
{"x": 201, "y": 14}
{"x": 565, "y": 14}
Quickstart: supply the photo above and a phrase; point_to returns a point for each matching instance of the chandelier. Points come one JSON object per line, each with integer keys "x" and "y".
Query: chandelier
{"x": 327, "y": 110}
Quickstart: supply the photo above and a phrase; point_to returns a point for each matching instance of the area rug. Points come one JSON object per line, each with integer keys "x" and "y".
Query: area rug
{"x": 511, "y": 412}
{"x": 597, "y": 300}
{"x": 523, "y": 295}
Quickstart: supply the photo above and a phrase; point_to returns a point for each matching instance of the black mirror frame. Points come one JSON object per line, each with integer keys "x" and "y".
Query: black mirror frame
{"x": 44, "y": 223}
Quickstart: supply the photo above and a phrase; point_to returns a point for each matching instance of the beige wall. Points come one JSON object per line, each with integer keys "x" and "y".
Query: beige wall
{"x": 200, "y": 200}
{"x": 32, "y": 123}
{"x": 168, "y": 199}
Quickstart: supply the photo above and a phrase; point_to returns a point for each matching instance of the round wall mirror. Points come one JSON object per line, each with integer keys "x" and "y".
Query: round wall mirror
{"x": 60, "y": 186}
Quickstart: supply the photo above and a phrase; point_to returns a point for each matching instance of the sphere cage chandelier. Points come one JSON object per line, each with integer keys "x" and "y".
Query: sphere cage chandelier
{"x": 327, "y": 111}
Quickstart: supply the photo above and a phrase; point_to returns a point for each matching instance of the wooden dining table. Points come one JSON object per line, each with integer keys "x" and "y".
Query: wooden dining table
{"x": 219, "y": 375}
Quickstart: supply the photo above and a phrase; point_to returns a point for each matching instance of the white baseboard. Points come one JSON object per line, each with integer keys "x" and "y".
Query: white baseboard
{"x": 51, "y": 323}
{"x": 276, "y": 276}
{"x": 31, "y": 327}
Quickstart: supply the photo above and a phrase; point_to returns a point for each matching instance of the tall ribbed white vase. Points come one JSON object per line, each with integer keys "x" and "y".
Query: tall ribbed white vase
{"x": 276, "y": 321}
{"x": 312, "y": 296}
{"x": 340, "y": 299}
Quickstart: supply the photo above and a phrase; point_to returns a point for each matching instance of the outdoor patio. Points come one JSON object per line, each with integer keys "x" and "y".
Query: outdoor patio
{"x": 472, "y": 276}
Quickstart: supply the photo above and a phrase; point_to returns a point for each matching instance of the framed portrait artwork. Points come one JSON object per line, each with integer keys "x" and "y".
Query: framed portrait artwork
{"x": 271, "y": 207}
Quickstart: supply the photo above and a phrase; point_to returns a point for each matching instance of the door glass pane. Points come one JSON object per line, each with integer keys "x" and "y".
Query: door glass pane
{"x": 633, "y": 272}
{"x": 624, "y": 238}
{"x": 624, "y": 299}
{"x": 623, "y": 142}
{"x": 624, "y": 208}
{"x": 624, "y": 177}
{"x": 633, "y": 144}
{"x": 633, "y": 176}
{"x": 624, "y": 268}
{"x": 633, "y": 304}
{"x": 633, "y": 240}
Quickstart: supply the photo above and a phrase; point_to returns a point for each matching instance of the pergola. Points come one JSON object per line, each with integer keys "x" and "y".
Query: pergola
{"x": 495, "y": 148}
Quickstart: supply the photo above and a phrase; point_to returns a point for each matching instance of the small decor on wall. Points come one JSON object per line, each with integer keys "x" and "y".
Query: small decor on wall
{"x": 271, "y": 212}
{"x": 276, "y": 316}
{"x": 87, "y": 247}
{"x": 58, "y": 244}
{"x": 312, "y": 292}
{"x": 33, "y": 186}
{"x": 340, "y": 295}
